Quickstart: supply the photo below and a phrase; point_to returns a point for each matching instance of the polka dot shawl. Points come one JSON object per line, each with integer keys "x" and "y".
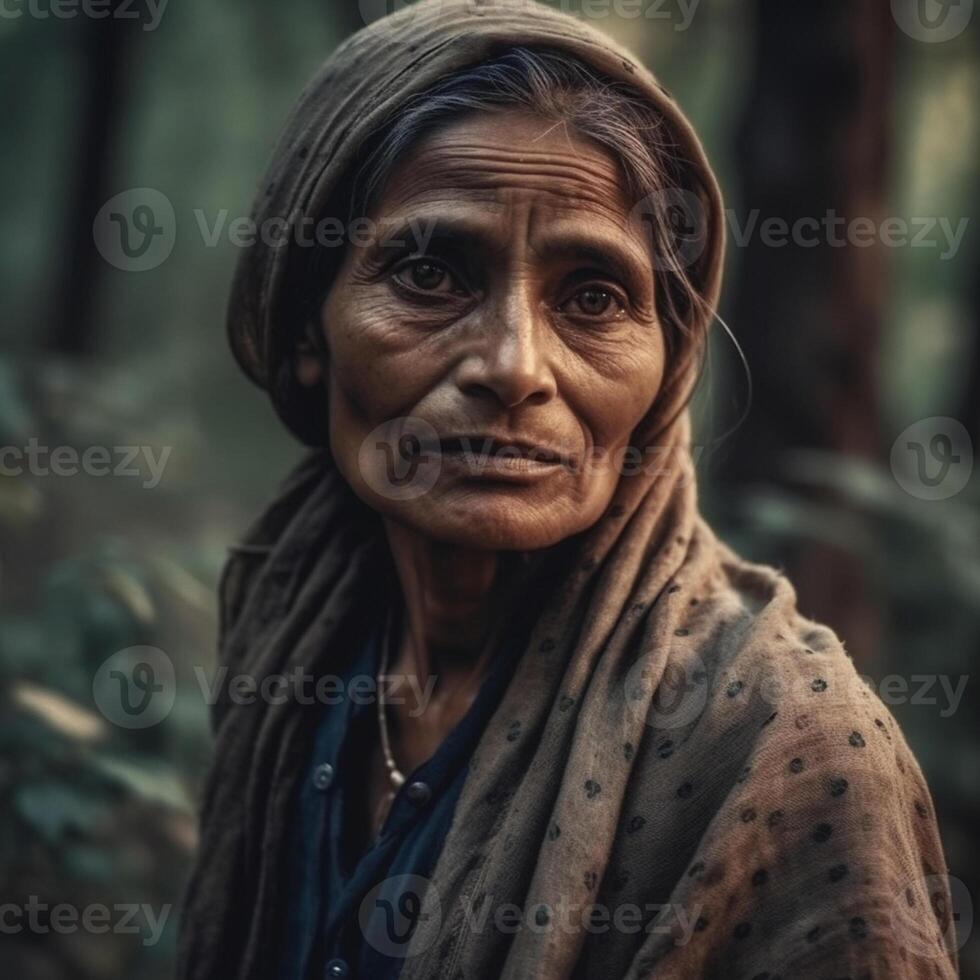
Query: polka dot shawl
{"x": 685, "y": 777}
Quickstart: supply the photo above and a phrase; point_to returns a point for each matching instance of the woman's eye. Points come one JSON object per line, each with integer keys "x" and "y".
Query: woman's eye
{"x": 426, "y": 275}
{"x": 593, "y": 301}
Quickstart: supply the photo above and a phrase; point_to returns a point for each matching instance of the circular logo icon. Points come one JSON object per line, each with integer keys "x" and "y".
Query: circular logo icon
{"x": 398, "y": 912}
{"x": 136, "y": 687}
{"x": 932, "y": 21}
{"x": 933, "y": 458}
{"x": 773, "y": 687}
{"x": 933, "y": 915}
{"x": 673, "y": 222}
{"x": 372, "y": 10}
{"x": 135, "y": 230}
{"x": 679, "y": 698}
{"x": 400, "y": 459}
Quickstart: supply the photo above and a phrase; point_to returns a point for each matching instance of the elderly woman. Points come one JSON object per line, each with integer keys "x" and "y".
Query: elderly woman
{"x": 550, "y": 725}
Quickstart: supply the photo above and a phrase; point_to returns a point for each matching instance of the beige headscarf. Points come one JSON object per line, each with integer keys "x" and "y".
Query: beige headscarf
{"x": 685, "y": 776}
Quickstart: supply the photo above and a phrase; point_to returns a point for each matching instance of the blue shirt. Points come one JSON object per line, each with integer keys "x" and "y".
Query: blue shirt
{"x": 354, "y": 918}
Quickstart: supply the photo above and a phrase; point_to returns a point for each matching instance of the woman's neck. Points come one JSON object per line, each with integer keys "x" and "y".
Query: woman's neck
{"x": 454, "y": 599}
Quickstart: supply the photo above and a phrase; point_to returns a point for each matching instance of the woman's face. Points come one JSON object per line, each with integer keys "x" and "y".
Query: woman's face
{"x": 485, "y": 375}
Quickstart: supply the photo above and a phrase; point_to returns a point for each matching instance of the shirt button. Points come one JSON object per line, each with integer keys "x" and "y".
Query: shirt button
{"x": 337, "y": 968}
{"x": 322, "y": 778}
{"x": 419, "y": 793}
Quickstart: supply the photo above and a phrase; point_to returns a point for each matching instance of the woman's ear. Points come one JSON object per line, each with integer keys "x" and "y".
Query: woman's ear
{"x": 308, "y": 359}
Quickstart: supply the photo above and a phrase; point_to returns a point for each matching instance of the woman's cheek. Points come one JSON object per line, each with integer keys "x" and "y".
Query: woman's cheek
{"x": 373, "y": 369}
{"x": 614, "y": 401}
{"x": 373, "y": 320}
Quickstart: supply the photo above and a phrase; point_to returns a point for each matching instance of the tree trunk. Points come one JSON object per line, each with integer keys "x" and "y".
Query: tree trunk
{"x": 812, "y": 147}
{"x": 102, "y": 43}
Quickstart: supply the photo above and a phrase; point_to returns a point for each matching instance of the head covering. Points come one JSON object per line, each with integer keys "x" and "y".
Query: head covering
{"x": 685, "y": 777}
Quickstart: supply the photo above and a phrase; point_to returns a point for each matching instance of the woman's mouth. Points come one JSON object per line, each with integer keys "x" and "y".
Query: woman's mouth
{"x": 494, "y": 458}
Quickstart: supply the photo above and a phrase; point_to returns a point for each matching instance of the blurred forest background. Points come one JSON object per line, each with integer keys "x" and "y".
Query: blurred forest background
{"x": 847, "y": 106}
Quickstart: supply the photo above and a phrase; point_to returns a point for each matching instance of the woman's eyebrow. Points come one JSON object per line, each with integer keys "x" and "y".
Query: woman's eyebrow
{"x": 418, "y": 232}
{"x": 612, "y": 254}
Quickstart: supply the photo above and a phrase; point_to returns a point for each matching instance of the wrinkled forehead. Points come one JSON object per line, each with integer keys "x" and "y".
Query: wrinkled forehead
{"x": 480, "y": 153}
{"x": 503, "y": 172}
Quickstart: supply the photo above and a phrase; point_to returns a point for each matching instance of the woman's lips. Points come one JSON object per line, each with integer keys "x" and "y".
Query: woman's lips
{"x": 498, "y": 447}
{"x": 494, "y": 458}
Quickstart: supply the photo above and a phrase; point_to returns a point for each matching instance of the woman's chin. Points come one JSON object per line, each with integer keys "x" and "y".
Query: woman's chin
{"x": 493, "y": 522}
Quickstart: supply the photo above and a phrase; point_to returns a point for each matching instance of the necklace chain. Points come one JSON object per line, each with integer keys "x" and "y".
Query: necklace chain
{"x": 395, "y": 776}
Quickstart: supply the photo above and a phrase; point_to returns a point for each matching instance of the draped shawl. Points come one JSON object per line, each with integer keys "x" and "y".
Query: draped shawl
{"x": 685, "y": 777}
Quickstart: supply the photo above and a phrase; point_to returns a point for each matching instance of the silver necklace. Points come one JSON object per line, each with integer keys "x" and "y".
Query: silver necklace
{"x": 395, "y": 776}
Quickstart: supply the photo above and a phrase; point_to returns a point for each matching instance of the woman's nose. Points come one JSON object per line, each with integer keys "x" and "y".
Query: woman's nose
{"x": 509, "y": 358}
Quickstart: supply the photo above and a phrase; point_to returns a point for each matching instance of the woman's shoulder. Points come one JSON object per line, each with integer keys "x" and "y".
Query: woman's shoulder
{"x": 777, "y": 699}
{"x": 815, "y": 818}
{"x": 754, "y": 638}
